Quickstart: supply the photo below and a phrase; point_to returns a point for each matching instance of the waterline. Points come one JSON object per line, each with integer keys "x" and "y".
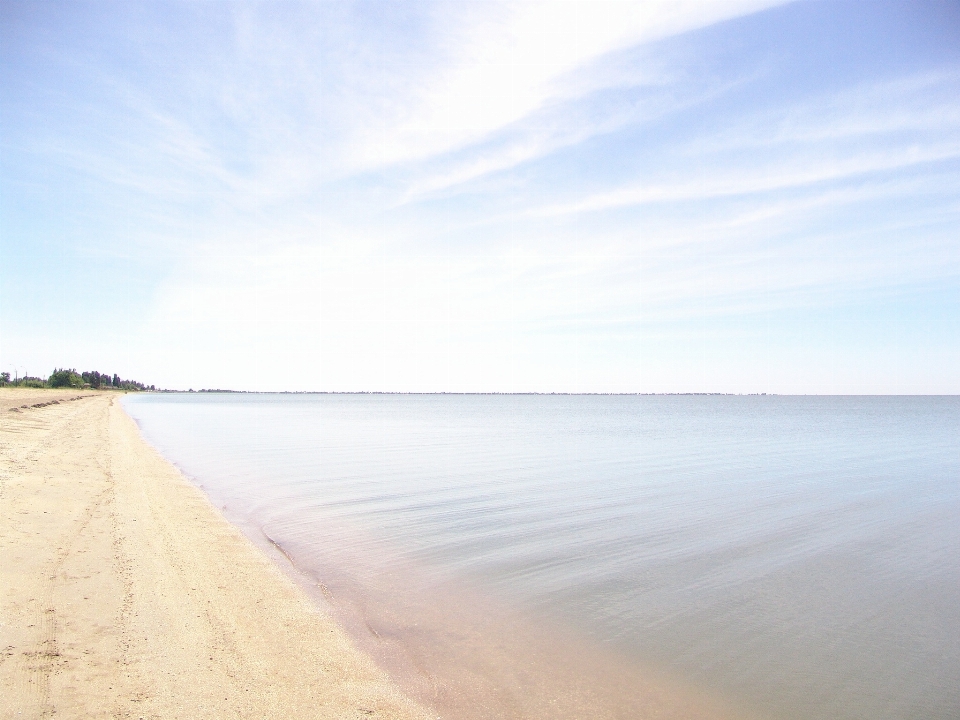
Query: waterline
{"x": 795, "y": 556}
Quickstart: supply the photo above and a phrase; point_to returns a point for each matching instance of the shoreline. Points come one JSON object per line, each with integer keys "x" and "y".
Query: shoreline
{"x": 132, "y": 595}
{"x": 125, "y": 593}
{"x": 470, "y": 656}
{"x": 464, "y": 651}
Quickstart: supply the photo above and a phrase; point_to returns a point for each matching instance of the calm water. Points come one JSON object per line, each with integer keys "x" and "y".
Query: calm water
{"x": 798, "y": 557}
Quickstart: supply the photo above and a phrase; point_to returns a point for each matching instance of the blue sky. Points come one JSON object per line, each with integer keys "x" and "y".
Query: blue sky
{"x": 563, "y": 196}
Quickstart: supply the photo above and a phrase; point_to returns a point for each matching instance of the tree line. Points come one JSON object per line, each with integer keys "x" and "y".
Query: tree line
{"x": 64, "y": 378}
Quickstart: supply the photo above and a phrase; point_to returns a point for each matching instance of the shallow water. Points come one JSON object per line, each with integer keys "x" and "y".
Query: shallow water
{"x": 794, "y": 557}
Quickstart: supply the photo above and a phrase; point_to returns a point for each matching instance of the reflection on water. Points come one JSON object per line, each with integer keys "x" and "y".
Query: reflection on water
{"x": 799, "y": 557}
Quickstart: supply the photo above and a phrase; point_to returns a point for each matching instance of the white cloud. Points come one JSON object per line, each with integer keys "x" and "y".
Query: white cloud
{"x": 770, "y": 177}
{"x": 504, "y": 61}
{"x": 914, "y": 104}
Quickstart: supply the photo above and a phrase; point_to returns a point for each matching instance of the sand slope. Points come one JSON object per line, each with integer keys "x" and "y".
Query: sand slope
{"x": 124, "y": 593}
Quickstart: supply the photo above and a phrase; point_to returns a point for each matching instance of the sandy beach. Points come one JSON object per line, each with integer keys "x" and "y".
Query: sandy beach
{"x": 124, "y": 593}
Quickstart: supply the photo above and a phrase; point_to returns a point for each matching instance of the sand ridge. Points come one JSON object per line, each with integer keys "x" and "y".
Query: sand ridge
{"x": 125, "y": 594}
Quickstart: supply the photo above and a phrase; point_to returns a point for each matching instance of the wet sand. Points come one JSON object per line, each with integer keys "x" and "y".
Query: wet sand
{"x": 125, "y": 594}
{"x": 467, "y": 654}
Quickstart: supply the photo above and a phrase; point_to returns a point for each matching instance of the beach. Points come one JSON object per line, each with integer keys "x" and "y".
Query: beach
{"x": 127, "y": 594}
{"x": 124, "y": 593}
{"x": 475, "y": 557}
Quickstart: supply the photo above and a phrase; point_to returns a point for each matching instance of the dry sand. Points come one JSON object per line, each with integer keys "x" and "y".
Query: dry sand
{"x": 124, "y": 593}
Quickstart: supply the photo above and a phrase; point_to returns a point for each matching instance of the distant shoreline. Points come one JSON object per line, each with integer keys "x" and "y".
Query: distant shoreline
{"x": 397, "y": 392}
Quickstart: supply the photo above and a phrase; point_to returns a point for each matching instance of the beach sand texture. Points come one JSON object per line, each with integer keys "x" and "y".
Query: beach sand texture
{"x": 125, "y": 594}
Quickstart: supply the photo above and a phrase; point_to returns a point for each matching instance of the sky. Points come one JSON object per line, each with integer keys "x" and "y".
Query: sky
{"x": 742, "y": 197}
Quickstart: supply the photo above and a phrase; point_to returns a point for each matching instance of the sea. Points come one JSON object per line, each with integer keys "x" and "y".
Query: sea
{"x": 552, "y": 556}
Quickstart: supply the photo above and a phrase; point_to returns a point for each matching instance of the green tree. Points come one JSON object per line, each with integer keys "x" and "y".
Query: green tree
{"x": 62, "y": 377}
